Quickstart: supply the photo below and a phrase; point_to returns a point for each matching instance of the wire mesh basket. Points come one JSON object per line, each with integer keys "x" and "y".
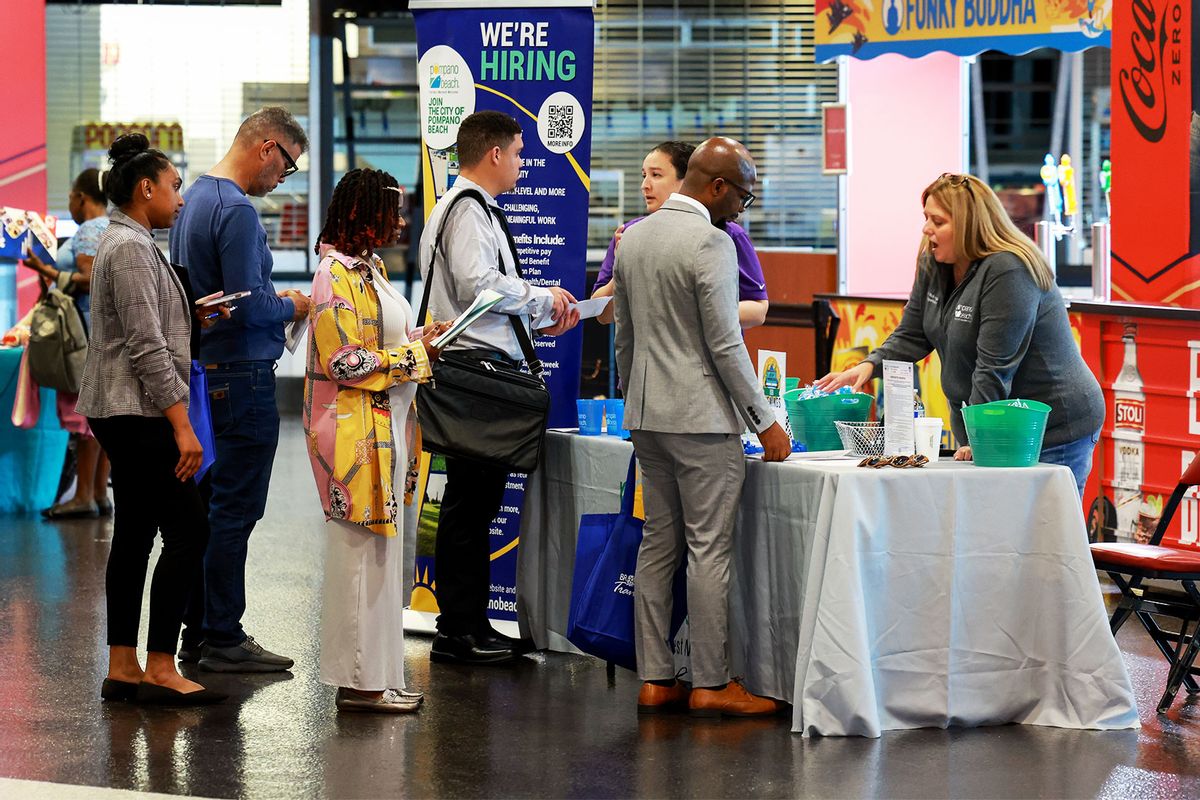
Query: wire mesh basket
{"x": 861, "y": 438}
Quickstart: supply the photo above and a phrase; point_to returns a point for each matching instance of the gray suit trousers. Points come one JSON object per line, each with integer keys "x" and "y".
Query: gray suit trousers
{"x": 692, "y": 483}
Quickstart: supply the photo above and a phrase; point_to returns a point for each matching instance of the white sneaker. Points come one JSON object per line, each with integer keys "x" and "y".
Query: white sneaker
{"x": 390, "y": 702}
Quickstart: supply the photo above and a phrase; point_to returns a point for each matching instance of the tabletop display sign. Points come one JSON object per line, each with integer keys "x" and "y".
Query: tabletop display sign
{"x": 914, "y": 28}
{"x": 898, "y": 400}
{"x": 533, "y": 61}
{"x": 834, "y": 152}
{"x": 772, "y": 376}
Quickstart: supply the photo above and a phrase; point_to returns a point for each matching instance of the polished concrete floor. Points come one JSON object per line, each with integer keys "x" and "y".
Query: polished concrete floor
{"x": 554, "y": 726}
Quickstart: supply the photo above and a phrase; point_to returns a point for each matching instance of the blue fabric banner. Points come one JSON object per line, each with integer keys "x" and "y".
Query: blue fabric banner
{"x": 534, "y": 62}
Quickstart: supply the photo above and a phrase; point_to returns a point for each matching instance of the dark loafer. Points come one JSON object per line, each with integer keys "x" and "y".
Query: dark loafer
{"x": 151, "y": 694}
{"x": 113, "y": 689}
{"x": 468, "y": 649}
{"x": 496, "y": 639}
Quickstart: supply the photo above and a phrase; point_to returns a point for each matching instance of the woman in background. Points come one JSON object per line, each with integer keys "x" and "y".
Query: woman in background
{"x": 663, "y": 170}
{"x": 73, "y": 269}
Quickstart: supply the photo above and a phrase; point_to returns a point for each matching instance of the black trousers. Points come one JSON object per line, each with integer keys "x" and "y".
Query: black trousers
{"x": 148, "y": 498}
{"x": 470, "y": 502}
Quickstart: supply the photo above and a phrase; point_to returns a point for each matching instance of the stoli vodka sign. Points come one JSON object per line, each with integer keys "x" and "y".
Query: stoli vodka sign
{"x": 1155, "y": 152}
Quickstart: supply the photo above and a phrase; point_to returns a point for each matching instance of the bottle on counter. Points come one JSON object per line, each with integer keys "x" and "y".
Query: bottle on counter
{"x": 1129, "y": 426}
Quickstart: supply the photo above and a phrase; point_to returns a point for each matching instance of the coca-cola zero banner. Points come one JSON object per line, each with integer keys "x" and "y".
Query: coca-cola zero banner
{"x": 1155, "y": 152}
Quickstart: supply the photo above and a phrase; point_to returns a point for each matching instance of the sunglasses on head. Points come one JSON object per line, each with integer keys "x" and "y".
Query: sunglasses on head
{"x": 955, "y": 179}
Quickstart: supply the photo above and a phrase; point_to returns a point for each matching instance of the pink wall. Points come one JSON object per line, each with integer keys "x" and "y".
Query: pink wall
{"x": 23, "y": 133}
{"x": 906, "y": 128}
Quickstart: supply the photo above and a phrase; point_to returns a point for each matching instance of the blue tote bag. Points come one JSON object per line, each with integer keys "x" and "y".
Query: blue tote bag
{"x": 200, "y": 415}
{"x": 600, "y": 622}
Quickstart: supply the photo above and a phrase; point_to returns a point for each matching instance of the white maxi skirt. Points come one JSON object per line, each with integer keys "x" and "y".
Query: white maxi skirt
{"x": 362, "y": 613}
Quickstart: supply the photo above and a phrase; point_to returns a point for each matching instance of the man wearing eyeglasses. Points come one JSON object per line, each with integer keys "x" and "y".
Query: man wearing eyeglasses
{"x": 222, "y": 243}
{"x": 689, "y": 389}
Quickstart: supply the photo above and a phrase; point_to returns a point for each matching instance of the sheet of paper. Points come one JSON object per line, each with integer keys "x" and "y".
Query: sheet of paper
{"x": 295, "y": 334}
{"x": 587, "y": 309}
{"x": 898, "y": 406}
{"x": 486, "y": 299}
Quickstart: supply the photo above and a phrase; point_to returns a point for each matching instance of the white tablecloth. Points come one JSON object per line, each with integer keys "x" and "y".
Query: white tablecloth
{"x": 878, "y": 599}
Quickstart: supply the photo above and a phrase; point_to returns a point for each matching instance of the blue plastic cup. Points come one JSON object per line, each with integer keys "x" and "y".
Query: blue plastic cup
{"x": 591, "y": 416}
{"x": 614, "y": 418}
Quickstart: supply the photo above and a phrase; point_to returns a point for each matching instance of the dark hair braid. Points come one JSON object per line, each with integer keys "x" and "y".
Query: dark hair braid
{"x": 363, "y": 212}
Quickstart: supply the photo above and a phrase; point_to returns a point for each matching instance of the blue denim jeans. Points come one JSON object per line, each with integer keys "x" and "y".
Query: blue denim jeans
{"x": 1076, "y": 455}
{"x": 246, "y": 427}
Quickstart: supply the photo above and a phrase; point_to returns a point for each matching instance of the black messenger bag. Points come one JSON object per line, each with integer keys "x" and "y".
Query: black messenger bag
{"x": 483, "y": 409}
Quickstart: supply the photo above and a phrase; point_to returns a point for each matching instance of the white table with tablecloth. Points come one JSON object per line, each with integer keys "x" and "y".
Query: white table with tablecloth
{"x": 876, "y": 599}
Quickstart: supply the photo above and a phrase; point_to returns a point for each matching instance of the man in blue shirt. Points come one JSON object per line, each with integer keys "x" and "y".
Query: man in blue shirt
{"x": 222, "y": 243}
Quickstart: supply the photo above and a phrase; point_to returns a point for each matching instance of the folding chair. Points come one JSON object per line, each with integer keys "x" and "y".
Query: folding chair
{"x": 1132, "y": 565}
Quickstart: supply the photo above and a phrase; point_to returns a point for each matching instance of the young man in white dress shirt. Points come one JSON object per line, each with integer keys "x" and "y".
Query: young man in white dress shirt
{"x": 473, "y": 247}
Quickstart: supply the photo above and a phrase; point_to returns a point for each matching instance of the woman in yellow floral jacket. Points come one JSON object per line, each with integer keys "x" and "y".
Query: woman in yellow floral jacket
{"x": 362, "y": 374}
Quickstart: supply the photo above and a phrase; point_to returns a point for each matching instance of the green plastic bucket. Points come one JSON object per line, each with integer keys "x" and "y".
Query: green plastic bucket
{"x": 1006, "y": 433}
{"x": 812, "y": 420}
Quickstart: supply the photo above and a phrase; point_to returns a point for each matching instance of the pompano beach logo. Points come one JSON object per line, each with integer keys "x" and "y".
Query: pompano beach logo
{"x": 443, "y": 76}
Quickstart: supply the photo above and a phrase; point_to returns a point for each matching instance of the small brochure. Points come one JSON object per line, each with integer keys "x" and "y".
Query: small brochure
{"x": 587, "y": 310}
{"x": 898, "y": 403}
{"x": 486, "y": 299}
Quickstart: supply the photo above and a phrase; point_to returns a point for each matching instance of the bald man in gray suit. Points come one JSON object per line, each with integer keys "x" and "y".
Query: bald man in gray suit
{"x": 688, "y": 387}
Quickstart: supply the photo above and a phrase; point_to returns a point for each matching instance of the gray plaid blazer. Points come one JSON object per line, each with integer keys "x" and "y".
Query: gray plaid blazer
{"x": 139, "y": 355}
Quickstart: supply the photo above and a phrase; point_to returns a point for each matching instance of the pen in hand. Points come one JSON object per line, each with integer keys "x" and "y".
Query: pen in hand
{"x": 216, "y": 314}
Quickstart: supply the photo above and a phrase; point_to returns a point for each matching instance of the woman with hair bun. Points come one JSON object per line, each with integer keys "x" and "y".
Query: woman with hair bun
{"x": 134, "y": 393}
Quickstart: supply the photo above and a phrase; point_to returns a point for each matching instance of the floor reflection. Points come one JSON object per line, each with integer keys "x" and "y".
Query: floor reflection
{"x": 552, "y": 726}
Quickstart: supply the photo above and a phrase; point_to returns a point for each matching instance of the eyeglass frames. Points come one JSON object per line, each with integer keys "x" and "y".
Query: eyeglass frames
{"x": 748, "y": 197}
{"x": 290, "y": 167}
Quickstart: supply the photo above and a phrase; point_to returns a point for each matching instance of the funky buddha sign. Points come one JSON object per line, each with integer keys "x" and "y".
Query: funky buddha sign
{"x": 1156, "y": 152}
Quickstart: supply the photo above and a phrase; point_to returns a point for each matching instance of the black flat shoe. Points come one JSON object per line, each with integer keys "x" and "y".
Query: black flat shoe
{"x": 151, "y": 694}
{"x": 468, "y": 649}
{"x": 113, "y": 689}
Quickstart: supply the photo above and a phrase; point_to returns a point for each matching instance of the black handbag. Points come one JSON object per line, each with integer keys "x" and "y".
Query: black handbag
{"x": 484, "y": 409}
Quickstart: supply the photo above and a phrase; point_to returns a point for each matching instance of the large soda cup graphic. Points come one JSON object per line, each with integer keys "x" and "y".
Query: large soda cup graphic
{"x": 1129, "y": 427}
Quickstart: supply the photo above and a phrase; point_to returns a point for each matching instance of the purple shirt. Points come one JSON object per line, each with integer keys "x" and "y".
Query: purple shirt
{"x": 751, "y": 285}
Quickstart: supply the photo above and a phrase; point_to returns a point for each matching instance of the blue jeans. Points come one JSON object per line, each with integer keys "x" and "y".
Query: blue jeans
{"x": 1076, "y": 455}
{"x": 246, "y": 427}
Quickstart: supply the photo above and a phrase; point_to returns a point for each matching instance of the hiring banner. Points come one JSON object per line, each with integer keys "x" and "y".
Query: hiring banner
{"x": 913, "y": 28}
{"x": 532, "y": 60}
{"x": 1156, "y": 152}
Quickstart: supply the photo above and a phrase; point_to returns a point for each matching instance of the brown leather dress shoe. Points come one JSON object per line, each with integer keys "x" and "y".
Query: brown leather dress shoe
{"x": 733, "y": 701}
{"x": 655, "y": 699}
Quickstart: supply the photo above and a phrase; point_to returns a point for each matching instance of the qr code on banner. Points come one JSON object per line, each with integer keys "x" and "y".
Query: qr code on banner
{"x": 560, "y": 123}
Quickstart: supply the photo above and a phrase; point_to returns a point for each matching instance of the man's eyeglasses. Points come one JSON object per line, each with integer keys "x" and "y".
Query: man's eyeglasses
{"x": 748, "y": 196}
{"x": 290, "y": 167}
